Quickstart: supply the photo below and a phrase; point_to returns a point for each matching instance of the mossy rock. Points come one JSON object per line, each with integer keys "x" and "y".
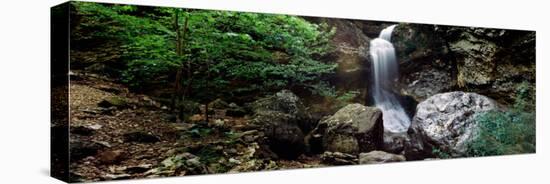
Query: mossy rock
{"x": 113, "y": 101}
{"x": 218, "y": 104}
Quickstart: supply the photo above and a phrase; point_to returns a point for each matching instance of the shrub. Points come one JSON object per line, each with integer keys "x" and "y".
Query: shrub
{"x": 506, "y": 132}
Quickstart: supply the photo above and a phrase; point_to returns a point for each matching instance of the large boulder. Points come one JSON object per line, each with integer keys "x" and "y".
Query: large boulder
{"x": 376, "y": 157}
{"x": 353, "y": 129}
{"x": 287, "y": 103}
{"x": 284, "y": 120}
{"x": 446, "y": 122}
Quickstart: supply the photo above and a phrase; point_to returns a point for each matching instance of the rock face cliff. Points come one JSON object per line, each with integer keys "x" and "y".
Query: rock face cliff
{"x": 350, "y": 51}
{"x": 435, "y": 59}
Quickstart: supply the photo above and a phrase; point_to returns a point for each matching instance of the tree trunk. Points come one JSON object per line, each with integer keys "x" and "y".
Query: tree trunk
{"x": 179, "y": 93}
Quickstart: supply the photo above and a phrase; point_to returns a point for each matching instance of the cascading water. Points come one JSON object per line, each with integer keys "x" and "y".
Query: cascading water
{"x": 385, "y": 73}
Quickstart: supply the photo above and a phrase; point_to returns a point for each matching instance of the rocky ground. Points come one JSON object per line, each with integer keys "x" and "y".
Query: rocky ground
{"x": 116, "y": 134}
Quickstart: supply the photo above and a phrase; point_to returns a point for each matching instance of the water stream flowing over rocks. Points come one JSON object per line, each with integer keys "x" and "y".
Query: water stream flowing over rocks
{"x": 385, "y": 73}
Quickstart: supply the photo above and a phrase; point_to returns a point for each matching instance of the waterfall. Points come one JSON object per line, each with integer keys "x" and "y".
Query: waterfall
{"x": 385, "y": 73}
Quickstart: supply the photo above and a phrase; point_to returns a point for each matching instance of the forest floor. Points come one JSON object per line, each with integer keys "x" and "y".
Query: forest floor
{"x": 136, "y": 137}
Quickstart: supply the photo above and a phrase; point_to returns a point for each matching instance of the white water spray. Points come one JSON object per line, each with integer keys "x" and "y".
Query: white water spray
{"x": 385, "y": 73}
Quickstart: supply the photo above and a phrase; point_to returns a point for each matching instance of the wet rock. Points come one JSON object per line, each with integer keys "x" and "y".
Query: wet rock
{"x": 338, "y": 158}
{"x": 447, "y": 121}
{"x": 394, "y": 142}
{"x": 140, "y": 137}
{"x": 376, "y": 157}
{"x": 353, "y": 129}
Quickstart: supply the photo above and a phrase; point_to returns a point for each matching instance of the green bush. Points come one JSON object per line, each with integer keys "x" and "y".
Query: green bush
{"x": 506, "y": 132}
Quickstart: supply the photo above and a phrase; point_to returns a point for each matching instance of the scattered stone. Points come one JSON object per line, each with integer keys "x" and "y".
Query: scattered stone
{"x": 95, "y": 126}
{"x": 110, "y": 89}
{"x": 107, "y": 111}
{"x": 80, "y": 149}
{"x": 196, "y": 118}
{"x": 116, "y": 176}
{"x": 103, "y": 143}
{"x": 219, "y": 122}
{"x": 113, "y": 101}
{"x": 376, "y": 157}
{"x": 82, "y": 130}
{"x": 90, "y": 111}
{"x": 111, "y": 156}
{"x": 235, "y": 111}
{"x": 234, "y": 161}
{"x": 138, "y": 169}
{"x": 338, "y": 158}
{"x": 218, "y": 104}
{"x": 231, "y": 151}
{"x": 140, "y": 137}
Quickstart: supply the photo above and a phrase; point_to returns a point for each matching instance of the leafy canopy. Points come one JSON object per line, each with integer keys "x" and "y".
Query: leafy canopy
{"x": 228, "y": 52}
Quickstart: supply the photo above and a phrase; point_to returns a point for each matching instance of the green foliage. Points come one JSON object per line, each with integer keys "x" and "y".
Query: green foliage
{"x": 525, "y": 97}
{"x": 227, "y": 52}
{"x": 346, "y": 98}
{"x": 506, "y": 132}
{"x": 208, "y": 154}
{"x": 440, "y": 154}
{"x": 200, "y": 132}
